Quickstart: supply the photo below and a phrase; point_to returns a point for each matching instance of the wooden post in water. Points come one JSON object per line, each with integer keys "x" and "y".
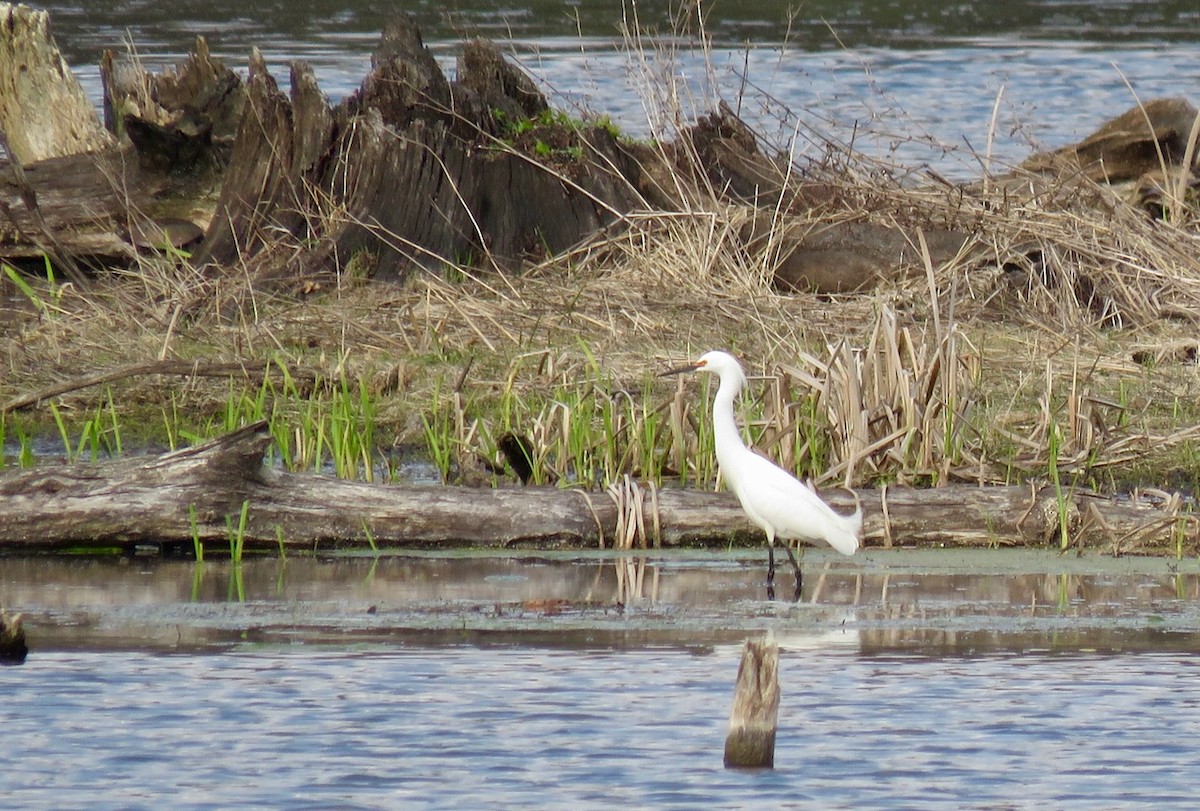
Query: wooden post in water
{"x": 750, "y": 743}
{"x": 12, "y": 639}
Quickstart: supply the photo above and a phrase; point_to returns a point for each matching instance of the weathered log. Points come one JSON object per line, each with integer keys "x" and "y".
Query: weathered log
{"x": 750, "y": 743}
{"x": 45, "y": 118}
{"x": 43, "y": 109}
{"x": 133, "y": 501}
{"x": 67, "y": 207}
{"x": 413, "y": 170}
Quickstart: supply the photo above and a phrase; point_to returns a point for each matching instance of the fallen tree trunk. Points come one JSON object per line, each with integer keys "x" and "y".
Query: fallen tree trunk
{"x": 200, "y": 492}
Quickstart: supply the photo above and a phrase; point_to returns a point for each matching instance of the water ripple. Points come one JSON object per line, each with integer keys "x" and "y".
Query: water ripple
{"x": 512, "y": 727}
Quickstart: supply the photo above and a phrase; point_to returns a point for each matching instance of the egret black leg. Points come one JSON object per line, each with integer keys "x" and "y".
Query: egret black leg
{"x": 770, "y": 571}
{"x": 796, "y": 568}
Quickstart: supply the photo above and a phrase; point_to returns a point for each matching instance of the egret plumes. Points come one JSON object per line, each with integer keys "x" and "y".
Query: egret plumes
{"x": 774, "y": 500}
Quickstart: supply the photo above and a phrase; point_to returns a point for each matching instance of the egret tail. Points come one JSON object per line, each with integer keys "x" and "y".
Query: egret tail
{"x": 844, "y": 533}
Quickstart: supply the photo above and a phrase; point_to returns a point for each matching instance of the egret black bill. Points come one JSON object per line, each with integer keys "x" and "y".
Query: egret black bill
{"x": 689, "y": 368}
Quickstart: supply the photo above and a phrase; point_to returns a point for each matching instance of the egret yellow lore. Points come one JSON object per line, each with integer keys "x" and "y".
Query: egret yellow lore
{"x": 774, "y": 500}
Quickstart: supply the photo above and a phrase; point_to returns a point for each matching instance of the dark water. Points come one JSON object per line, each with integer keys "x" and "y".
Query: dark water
{"x": 911, "y": 82}
{"x": 909, "y": 679}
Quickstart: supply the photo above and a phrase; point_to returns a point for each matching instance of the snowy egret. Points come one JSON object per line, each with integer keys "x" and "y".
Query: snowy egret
{"x": 773, "y": 499}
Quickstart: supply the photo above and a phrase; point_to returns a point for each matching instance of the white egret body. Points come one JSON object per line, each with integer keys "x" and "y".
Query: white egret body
{"x": 772, "y": 498}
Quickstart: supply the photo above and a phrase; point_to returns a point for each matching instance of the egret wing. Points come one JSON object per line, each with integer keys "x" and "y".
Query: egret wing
{"x": 789, "y": 506}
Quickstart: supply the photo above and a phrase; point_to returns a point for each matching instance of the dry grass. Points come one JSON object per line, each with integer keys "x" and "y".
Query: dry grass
{"x": 1064, "y": 333}
{"x": 958, "y": 375}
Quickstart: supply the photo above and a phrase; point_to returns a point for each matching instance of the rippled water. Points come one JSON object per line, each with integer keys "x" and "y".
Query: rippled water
{"x": 910, "y": 679}
{"x": 509, "y": 727}
{"x": 911, "y": 82}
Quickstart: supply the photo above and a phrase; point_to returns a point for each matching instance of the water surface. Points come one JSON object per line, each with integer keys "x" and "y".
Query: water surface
{"x": 587, "y": 680}
{"x": 471, "y": 727}
{"x": 910, "y": 82}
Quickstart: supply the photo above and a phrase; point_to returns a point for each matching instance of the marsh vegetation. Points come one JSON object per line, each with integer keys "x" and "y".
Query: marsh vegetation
{"x": 1055, "y": 344}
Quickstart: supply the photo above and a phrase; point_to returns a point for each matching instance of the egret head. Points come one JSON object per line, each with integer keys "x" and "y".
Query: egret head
{"x": 719, "y": 363}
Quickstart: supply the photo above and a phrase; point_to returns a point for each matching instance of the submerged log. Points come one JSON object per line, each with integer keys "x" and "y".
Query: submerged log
{"x": 197, "y": 492}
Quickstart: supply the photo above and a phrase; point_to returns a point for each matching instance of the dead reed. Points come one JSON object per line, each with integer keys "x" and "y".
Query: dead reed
{"x": 1061, "y": 337}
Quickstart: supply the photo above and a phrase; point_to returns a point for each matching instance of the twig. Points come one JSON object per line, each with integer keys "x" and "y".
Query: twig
{"x": 158, "y": 367}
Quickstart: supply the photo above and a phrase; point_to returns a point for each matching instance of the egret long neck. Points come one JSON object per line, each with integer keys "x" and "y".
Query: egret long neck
{"x": 725, "y": 431}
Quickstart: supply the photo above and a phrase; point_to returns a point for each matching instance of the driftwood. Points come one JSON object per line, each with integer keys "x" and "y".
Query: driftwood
{"x": 135, "y": 501}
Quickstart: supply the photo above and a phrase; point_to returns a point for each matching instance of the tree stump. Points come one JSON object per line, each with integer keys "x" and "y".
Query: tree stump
{"x": 12, "y": 639}
{"x": 75, "y": 193}
{"x": 413, "y": 170}
{"x": 750, "y": 743}
{"x": 43, "y": 109}
{"x": 183, "y": 120}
